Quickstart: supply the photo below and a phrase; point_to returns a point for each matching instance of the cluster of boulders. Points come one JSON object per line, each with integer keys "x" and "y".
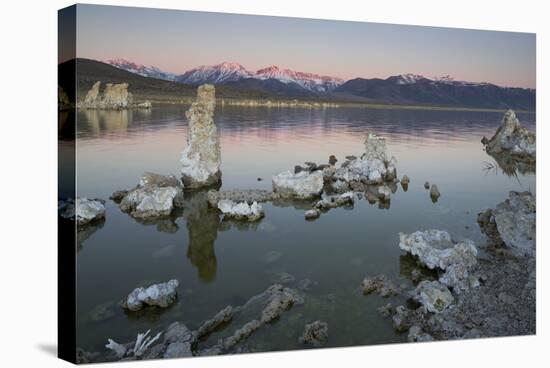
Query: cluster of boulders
{"x": 512, "y": 223}
{"x": 83, "y": 211}
{"x": 179, "y": 341}
{"x": 512, "y": 139}
{"x": 315, "y": 334}
{"x": 160, "y": 295}
{"x": 435, "y": 250}
{"x": 114, "y": 97}
{"x": 241, "y": 210}
{"x": 155, "y": 196}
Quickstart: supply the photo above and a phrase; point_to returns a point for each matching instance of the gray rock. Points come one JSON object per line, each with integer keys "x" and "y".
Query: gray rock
{"x": 427, "y": 185}
{"x": 417, "y": 335}
{"x": 379, "y": 284}
{"x": 433, "y": 295}
{"x": 178, "y": 350}
{"x": 201, "y": 159}
{"x": 301, "y": 185}
{"x": 315, "y": 334}
{"x": 178, "y": 332}
{"x": 401, "y": 319}
{"x": 155, "y": 196}
{"x": 512, "y": 138}
{"x": 312, "y": 214}
{"x": 280, "y": 299}
{"x": 434, "y": 193}
{"x": 82, "y": 210}
{"x": 436, "y": 250}
{"x": 405, "y": 180}
{"x": 161, "y": 295}
{"x": 385, "y": 310}
{"x": 515, "y": 221}
{"x": 241, "y": 210}
{"x": 242, "y": 333}
{"x": 221, "y": 318}
{"x": 115, "y": 96}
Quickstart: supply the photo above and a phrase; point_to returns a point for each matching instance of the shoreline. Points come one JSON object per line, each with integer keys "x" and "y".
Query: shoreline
{"x": 328, "y": 105}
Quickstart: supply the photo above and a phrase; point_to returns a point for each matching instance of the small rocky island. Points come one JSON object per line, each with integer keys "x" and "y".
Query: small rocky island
{"x": 113, "y": 97}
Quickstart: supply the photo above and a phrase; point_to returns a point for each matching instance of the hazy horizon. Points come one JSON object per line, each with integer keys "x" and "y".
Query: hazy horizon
{"x": 176, "y": 41}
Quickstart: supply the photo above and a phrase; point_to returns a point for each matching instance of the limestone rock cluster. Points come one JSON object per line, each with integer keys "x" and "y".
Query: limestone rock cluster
{"x": 161, "y": 295}
{"x": 82, "y": 210}
{"x": 114, "y": 97}
{"x": 513, "y": 139}
{"x": 436, "y": 250}
{"x": 512, "y": 223}
{"x": 155, "y": 196}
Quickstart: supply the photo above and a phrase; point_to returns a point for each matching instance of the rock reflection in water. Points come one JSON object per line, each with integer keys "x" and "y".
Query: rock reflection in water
{"x": 101, "y": 121}
{"x": 509, "y": 165}
{"x": 203, "y": 223}
{"x": 86, "y": 232}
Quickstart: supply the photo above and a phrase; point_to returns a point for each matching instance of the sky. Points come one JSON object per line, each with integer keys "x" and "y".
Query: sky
{"x": 176, "y": 41}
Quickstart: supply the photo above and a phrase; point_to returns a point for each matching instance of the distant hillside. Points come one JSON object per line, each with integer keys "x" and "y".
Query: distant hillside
{"x": 418, "y": 90}
{"x": 407, "y": 89}
{"x": 143, "y": 88}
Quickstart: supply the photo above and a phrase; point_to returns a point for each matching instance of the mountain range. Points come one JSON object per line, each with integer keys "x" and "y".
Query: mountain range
{"x": 399, "y": 89}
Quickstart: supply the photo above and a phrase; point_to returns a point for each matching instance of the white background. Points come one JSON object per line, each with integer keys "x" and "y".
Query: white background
{"x": 28, "y": 180}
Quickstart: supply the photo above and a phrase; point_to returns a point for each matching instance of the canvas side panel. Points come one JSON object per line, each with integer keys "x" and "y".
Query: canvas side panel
{"x": 66, "y": 175}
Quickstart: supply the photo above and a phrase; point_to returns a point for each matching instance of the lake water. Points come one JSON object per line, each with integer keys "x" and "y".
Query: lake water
{"x": 218, "y": 264}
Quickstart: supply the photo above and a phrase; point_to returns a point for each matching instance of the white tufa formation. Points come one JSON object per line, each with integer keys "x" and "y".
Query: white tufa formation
{"x": 201, "y": 159}
{"x": 241, "y": 210}
{"x": 301, "y": 185}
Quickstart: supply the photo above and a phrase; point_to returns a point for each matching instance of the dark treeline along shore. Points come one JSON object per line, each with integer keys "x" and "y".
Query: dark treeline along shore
{"x": 375, "y": 93}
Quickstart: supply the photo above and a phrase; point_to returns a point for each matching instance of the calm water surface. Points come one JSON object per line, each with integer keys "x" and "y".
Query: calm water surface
{"x": 219, "y": 263}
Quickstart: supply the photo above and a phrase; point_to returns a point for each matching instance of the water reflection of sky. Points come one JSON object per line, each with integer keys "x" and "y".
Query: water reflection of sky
{"x": 220, "y": 263}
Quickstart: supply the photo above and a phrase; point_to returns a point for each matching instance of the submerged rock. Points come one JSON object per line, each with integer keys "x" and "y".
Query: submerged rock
{"x": 201, "y": 159}
{"x": 302, "y": 185}
{"x": 427, "y": 185}
{"x": 512, "y": 138}
{"x": 160, "y": 295}
{"x": 222, "y": 317}
{"x": 436, "y": 250}
{"x": 241, "y": 210}
{"x": 433, "y": 295}
{"x": 512, "y": 223}
{"x": 280, "y": 299}
{"x": 82, "y": 210}
{"x": 155, "y": 196}
{"x": 312, "y": 214}
{"x": 315, "y": 334}
{"x": 434, "y": 193}
{"x": 380, "y": 285}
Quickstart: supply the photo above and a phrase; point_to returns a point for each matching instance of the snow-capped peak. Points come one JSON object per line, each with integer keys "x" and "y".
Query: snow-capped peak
{"x": 309, "y": 81}
{"x": 219, "y": 73}
{"x": 409, "y": 78}
{"x": 145, "y": 71}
